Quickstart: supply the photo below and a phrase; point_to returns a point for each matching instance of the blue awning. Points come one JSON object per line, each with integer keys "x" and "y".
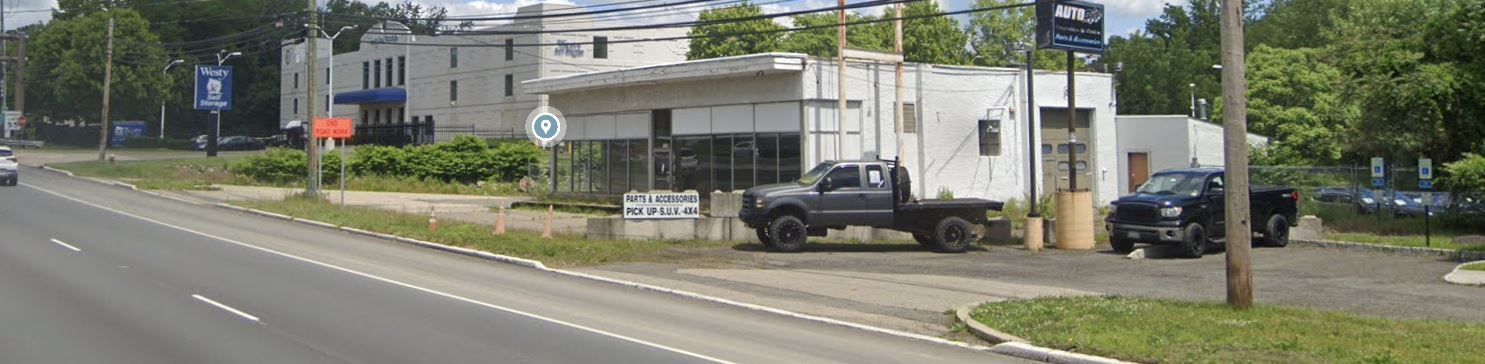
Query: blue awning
{"x": 374, "y": 96}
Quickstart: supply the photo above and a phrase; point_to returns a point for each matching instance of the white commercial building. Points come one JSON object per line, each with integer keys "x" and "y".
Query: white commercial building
{"x": 403, "y": 88}
{"x": 731, "y": 123}
{"x": 1153, "y": 143}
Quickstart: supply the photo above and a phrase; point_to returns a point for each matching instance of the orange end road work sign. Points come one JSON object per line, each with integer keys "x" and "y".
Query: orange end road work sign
{"x": 333, "y": 128}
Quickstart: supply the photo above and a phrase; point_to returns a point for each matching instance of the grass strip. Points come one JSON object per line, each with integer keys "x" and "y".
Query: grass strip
{"x": 561, "y": 251}
{"x": 1436, "y": 241}
{"x": 1474, "y": 266}
{"x": 1169, "y": 331}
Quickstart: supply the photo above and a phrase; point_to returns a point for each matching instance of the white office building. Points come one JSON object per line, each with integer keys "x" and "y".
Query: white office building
{"x": 402, "y": 88}
{"x": 731, "y": 123}
{"x": 1153, "y": 143}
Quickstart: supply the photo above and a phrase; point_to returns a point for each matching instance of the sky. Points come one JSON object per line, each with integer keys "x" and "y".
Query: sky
{"x": 1124, "y": 16}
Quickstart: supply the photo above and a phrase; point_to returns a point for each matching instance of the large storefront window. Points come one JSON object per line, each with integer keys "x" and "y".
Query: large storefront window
{"x": 703, "y": 163}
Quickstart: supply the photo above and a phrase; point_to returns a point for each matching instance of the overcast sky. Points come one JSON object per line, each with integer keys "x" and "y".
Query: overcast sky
{"x": 1124, "y": 16}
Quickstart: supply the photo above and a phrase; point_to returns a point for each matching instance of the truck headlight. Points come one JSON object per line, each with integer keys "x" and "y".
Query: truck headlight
{"x": 1170, "y": 211}
{"x": 758, "y": 204}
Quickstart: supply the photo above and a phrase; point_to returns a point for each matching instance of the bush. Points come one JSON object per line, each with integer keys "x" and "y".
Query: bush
{"x": 465, "y": 159}
{"x": 1467, "y": 174}
{"x": 286, "y": 166}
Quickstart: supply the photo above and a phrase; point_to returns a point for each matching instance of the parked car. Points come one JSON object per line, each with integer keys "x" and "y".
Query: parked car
{"x": 199, "y": 142}
{"x": 10, "y": 172}
{"x": 239, "y": 143}
{"x": 1186, "y": 208}
{"x": 871, "y": 193}
{"x": 7, "y": 154}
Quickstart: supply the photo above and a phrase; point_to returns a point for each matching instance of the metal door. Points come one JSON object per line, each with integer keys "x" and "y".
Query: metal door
{"x": 1139, "y": 170}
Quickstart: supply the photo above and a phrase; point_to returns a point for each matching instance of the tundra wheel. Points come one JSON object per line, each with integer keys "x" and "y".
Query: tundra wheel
{"x": 1277, "y": 231}
{"x": 762, "y": 232}
{"x": 1195, "y": 242}
{"x": 952, "y": 235}
{"x": 788, "y": 234}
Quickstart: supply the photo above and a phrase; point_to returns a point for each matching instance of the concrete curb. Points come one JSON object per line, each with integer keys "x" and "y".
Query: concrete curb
{"x": 1466, "y": 278}
{"x": 1456, "y": 255}
{"x": 1011, "y": 345}
{"x": 980, "y": 330}
{"x": 1033, "y": 352}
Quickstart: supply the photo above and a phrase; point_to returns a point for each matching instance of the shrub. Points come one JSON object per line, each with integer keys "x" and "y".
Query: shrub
{"x": 465, "y": 159}
{"x": 285, "y": 166}
{"x": 1467, "y": 173}
{"x": 513, "y": 158}
{"x": 379, "y": 160}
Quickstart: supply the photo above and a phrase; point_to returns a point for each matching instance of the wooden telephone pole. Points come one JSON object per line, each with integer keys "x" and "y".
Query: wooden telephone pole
{"x": 1235, "y": 145}
{"x": 311, "y": 141}
{"x": 107, "y": 81}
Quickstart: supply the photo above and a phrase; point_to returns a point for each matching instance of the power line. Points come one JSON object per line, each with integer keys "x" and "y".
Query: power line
{"x": 539, "y": 15}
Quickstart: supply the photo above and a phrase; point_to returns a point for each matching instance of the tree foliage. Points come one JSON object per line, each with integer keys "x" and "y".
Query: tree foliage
{"x": 821, "y": 41}
{"x": 734, "y": 38}
{"x": 421, "y": 19}
{"x": 68, "y": 67}
{"x": 935, "y": 39}
{"x": 995, "y": 37}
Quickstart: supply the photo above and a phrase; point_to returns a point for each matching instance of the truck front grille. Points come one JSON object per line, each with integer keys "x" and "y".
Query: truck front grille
{"x": 1138, "y": 212}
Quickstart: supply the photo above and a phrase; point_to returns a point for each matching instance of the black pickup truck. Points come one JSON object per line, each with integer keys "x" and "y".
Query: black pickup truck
{"x": 1185, "y": 207}
{"x": 873, "y": 193}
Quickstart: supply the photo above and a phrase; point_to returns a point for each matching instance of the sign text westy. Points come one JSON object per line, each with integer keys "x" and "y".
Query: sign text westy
{"x": 213, "y": 88}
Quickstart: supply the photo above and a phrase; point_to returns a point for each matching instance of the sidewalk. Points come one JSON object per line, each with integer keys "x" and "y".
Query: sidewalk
{"x": 467, "y": 208}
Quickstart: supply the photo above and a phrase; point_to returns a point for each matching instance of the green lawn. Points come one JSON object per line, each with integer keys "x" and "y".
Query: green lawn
{"x": 1166, "y": 331}
{"x": 561, "y": 251}
{"x": 162, "y": 174}
{"x": 1480, "y": 266}
{"x": 1436, "y": 241}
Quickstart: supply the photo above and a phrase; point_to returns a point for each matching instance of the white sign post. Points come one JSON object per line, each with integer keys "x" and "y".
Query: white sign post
{"x": 662, "y": 205}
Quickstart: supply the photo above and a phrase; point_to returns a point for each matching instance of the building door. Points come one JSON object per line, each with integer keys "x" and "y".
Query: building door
{"x": 1139, "y": 170}
{"x": 1056, "y": 146}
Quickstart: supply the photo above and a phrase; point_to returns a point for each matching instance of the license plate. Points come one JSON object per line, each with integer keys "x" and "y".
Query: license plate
{"x": 1134, "y": 235}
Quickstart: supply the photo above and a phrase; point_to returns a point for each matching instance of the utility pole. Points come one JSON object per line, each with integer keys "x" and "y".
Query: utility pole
{"x": 1235, "y": 145}
{"x": 897, "y": 105}
{"x": 311, "y": 144}
{"x": 1072, "y": 126}
{"x": 840, "y": 80}
{"x": 107, "y": 80}
{"x": 1033, "y": 234}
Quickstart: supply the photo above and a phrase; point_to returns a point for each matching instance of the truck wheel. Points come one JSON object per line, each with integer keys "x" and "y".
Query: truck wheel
{"x": 788, "y": 234}
{"x": 952, "y": 235}
{"x": 762, "y": 232}
{"x": 1277, "y": 231}
{"x": 1195, "y": 242}
{"x": 925, "y": 240}
{"x": 1121, "y": 245}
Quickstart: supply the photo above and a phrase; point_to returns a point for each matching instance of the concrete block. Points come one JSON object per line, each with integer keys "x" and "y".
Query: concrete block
{"x": 679, "y": 229}
{"x": 1310, "y": 228}
{"x": 1049, "y": 231}
{"x": 890, "y": 235}
{"x": 741, "y": 231}
{"x": 997, "y": 231}
{"x": 726, "y": 204}
{"x": 602, "y": 228}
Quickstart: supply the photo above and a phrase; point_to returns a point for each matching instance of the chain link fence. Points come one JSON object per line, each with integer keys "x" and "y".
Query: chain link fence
{"x": 1349, "y": 200}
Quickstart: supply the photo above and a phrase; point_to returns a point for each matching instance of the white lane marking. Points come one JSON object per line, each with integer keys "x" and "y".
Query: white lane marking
{"x": 69, "y": 246}
{"x": 392, "y": 281}
{"x": 225, "y": 307}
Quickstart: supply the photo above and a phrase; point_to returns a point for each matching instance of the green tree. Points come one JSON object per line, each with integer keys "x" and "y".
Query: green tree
{"x": 1174, "y": 51}
{"x": 1466, "y": 174}
{"x": 1296, "y": 99}
{"x": 821, "y": 41}
{"x": 69, "y": 65}
{"x": 422, "y": 19}
{"x": 734, "y": 38}
{"x": 995, "y": 36}
{"x": 935, "y": 39}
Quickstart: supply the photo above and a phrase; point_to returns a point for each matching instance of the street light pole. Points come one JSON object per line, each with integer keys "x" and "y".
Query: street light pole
{"x": 216, "y": 130}
{"x": 330, "y": 106}
{"x": 162, "y": 98}
{"x": 1193, "y": 100}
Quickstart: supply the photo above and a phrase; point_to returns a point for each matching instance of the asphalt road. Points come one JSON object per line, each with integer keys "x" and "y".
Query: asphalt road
{"x": 90, "y": 273}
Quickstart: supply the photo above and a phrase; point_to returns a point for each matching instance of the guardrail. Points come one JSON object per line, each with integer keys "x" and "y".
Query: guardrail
{"x": 23, "y": 143}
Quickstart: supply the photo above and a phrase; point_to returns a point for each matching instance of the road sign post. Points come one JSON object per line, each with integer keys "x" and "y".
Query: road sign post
{"x": 332, "y": 130}
{"x": 13, "y": 123}
{"x": 1425, "y": 183}
{"x": 1379, "y": 180}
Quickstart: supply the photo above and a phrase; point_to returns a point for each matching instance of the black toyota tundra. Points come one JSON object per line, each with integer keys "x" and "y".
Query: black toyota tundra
{"x": 1185, "y": 208}
{"x": 873, "y": 193}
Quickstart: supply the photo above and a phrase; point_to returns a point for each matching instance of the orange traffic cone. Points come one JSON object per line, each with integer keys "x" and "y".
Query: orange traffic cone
{"x": 546, "y": 229}
{"x": 432, "y": 219}
{"x": 500, "y": 222}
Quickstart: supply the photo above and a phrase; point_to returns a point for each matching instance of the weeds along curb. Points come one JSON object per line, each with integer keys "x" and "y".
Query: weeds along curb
{"x": 1456, "y": 255}
{"x": 1011, "y": 345}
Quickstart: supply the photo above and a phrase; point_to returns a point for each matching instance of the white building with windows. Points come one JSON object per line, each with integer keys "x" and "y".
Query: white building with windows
{"x": 403, "y": 88}
{"x": 732, "y": 123}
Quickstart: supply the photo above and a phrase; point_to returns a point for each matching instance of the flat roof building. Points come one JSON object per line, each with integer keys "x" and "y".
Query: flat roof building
{"x": 736, "y": 122}
{"x": 1153, "y": 143}
{"x": 403, "y": 88}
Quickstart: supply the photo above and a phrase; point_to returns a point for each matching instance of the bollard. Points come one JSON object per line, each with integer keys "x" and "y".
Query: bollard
{"x": 432, "y": 218}
{"x": 546, "y": 229}
{"x": 1033, "y": 234}
{"x": 500, "y": 222}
